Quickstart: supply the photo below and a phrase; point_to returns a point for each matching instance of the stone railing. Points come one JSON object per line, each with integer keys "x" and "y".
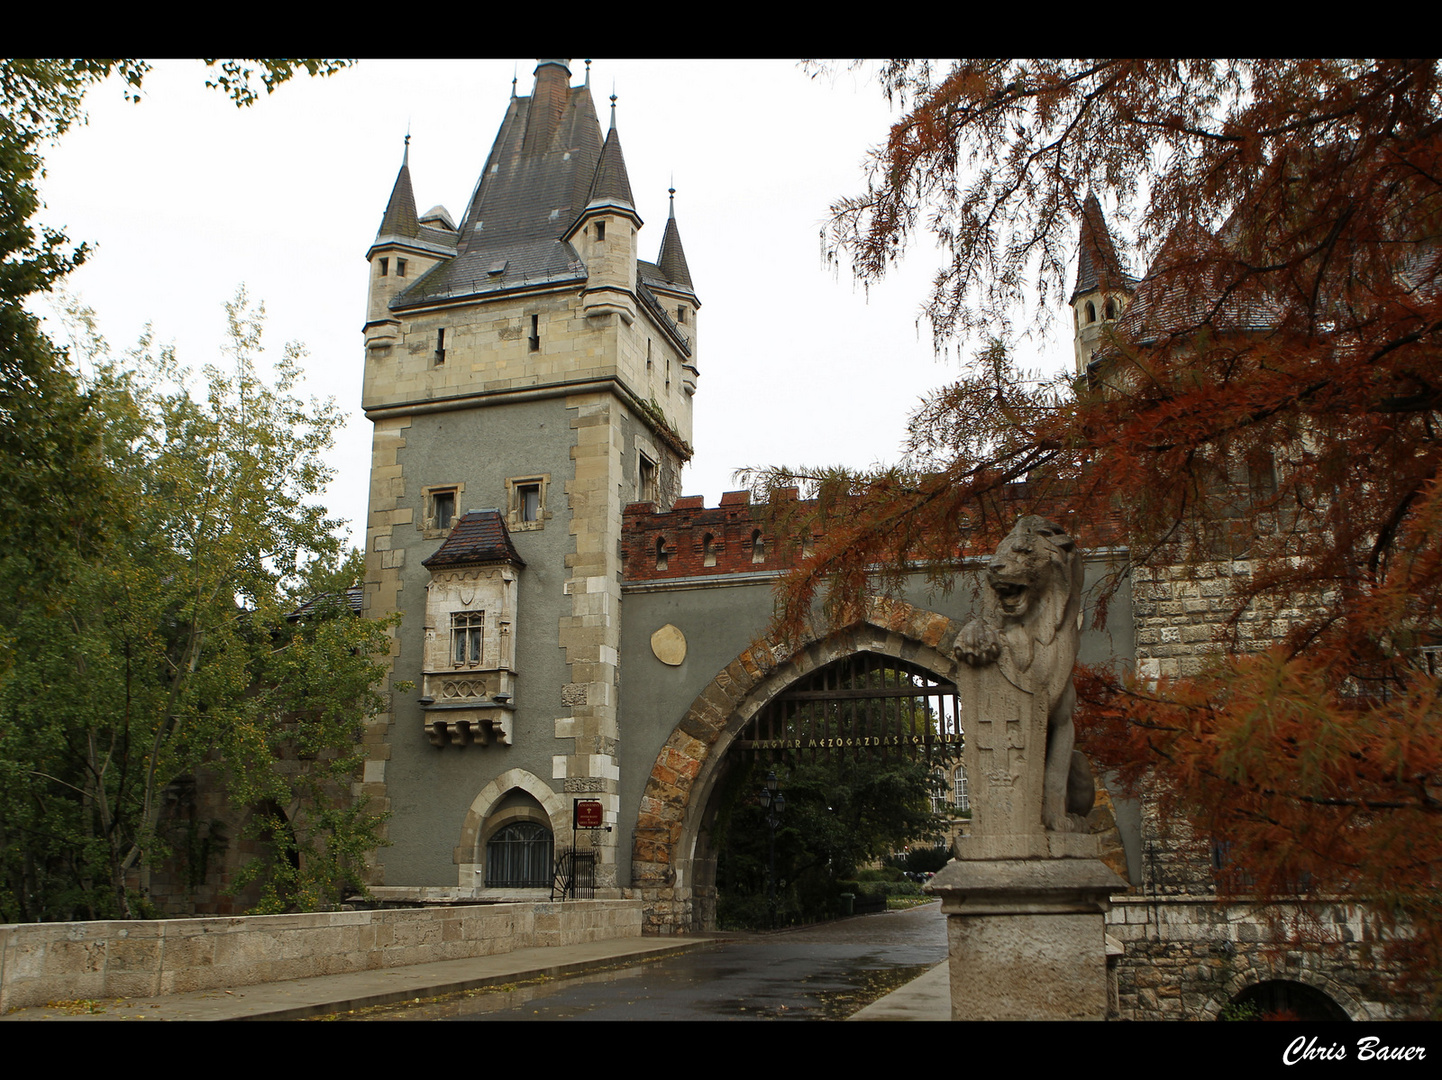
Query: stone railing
{"x": 42, "y": 962}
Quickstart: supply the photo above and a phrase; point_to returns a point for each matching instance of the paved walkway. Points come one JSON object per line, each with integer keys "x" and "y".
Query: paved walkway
{"x": 926, "y": 998}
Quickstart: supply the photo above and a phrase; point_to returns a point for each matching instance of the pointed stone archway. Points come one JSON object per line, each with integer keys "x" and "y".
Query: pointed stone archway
{"x": 672, "y": 870}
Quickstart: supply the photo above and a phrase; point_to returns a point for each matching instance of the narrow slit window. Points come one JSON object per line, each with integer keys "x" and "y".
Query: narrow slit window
{"x": 385, "y": 266}
{"x": 708, "y": 550}
{"x": 646, "y": 480}
{"x": 400, "y": 268}
{"x": 441, "y": 346}
{"x": 600, "y": 231}
{"x": 535, "y": 333}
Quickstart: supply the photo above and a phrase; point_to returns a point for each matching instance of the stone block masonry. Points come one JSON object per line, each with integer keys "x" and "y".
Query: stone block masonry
{"x": 42, "y": 962}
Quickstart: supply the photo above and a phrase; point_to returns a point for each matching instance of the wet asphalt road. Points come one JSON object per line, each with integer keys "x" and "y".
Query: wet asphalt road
{"x": 824, "y": 972}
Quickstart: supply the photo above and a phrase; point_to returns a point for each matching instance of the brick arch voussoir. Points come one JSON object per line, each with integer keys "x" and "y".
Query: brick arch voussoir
{"x": 891, "y": 627}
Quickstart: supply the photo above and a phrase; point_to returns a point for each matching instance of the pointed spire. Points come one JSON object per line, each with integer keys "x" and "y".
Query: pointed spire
{"x": 672, "y": 260}
{"x": 613, "y": 105}
{"x": 611, "y": 182}
{"x": 588, "y": 74}
{"x": 400, "y": 216}
{"x": 1097, "y": 264}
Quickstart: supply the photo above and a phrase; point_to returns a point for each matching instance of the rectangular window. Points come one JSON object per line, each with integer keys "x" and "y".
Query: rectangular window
{"x": 444, "y": 508}
{"x": 441, "y": 346}
{"x": 535, "y": 333}
{"x": 600, "y": 231}
{"x": 385, "y": 263}
{"x": 646, "y": 480}
{"x": 526, "y": 502}
{"x": 466, "y": 637}
{"x": 400, "y": 268}
{"x": 528, "y": 497}
{"x": 438, "y": 509}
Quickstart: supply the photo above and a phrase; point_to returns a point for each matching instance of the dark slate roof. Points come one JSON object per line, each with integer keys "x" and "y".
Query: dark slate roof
{"x": 1194, "y": 283}
{"x": 536, "y": 182}
{"x": 1098, "y": 266}
{"x": 400, "y": 216}
{"x": 611, "y": 184}
{"x": 672, "y": 260}
{"x": 480, "y": 536}
{"x": 399, "y": 224}
{"x": 354, "y": 598}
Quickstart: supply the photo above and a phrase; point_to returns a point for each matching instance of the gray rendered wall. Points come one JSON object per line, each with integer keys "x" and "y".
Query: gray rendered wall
{"x": 431, "y": 788}
{"x": 721, "y": 619}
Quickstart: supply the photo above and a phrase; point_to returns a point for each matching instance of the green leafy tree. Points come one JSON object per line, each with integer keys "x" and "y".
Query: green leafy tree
{"x": 170, "y": 648}
{"x": 52, "y": 500}
{"x": 89, "y": 593}
{"x": 841, "y": 813}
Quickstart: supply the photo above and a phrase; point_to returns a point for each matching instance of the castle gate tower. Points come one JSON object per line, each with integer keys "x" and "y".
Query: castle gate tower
{"x": 527, "y": 376}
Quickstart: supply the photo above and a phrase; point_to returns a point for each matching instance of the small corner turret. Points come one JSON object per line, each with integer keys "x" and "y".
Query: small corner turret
{"x": 604, "y": 234}
{"x": 1103, "y": 288}
{"x": 672, "y": 287}
{"x": 405, "y": 248}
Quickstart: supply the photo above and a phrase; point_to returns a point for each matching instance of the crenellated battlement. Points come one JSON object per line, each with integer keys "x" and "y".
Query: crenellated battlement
{"x": 692, "y": 540}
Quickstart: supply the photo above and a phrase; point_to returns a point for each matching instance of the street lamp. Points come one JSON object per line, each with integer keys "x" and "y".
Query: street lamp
{"x": 773, "y": 801}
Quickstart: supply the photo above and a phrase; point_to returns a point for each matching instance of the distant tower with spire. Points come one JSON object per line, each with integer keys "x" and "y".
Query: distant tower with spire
{"x": 1103, "y": 287}
{"x": 527, "y": 376}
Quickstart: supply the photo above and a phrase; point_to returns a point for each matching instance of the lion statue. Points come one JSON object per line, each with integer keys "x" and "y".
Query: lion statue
{"x": 1030, "y": 626}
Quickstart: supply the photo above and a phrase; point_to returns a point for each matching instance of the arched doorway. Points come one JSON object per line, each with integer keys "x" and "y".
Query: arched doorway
{"x": 673, "y": 862}
{"x": 1282, "y": 999}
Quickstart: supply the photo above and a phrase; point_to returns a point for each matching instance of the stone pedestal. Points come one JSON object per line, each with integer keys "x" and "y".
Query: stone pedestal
{"x": 1027, "y": 937}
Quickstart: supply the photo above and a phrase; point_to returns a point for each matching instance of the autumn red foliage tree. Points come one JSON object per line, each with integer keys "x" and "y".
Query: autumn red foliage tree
{"x": 1271, "y": 402}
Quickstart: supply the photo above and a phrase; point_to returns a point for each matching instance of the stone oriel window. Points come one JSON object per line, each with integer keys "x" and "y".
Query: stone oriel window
{"x": 526, "y": 502}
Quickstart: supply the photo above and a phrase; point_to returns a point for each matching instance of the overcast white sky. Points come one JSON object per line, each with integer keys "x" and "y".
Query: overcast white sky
{"x": 185, "y": 198}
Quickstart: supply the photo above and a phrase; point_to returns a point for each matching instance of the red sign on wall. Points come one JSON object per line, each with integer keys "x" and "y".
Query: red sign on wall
{"x": 588, "y": 814}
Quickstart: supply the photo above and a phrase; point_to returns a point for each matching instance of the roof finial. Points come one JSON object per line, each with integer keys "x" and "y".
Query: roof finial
{"x": 613, "y": 103}
{"x": 514, "y": 69}
{"x": 406, "y": 154}
{"x": 588, "y": 74}
{"x": 672, "y": 191}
